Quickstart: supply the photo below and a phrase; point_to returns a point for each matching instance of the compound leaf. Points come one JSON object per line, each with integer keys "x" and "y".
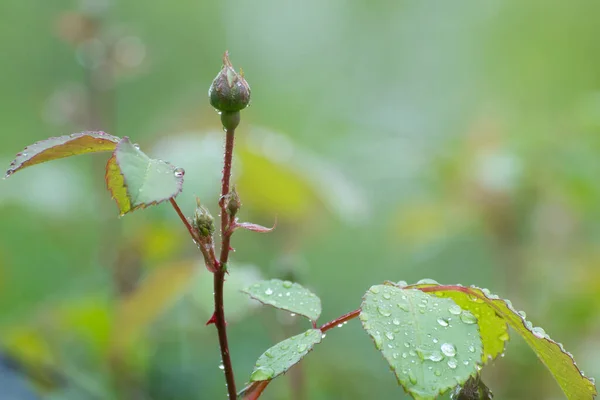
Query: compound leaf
{"x": 137, "y": 181}
{"x": 61, "y": 147}
{"x": 288, "y": 296}
{"x": 560, "y": 362}
{"x": 281, "y": 357}
{"x": 428, "y": 346}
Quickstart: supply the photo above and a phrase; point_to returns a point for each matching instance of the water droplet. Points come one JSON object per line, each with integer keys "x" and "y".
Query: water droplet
{"x": 287, "y": 284}
{"x": 455, "y": 309}
{"x": 403, "y": 306}
{"x": 221, "y": 367}
{"x": 522, "y": 314}
{"x": 427, "y": 281}
{"x": 468, "y": 318}
{"x": 137, "y": 146}
{"x": 292, "y": 314}
{"x": 401, "y": 284}
{"x": 396, "y": 321}
{"x": 262, "y": 374}
{"x": 389, "y": 335}
{"x": 340, "y": 325}
{"x": 448, "y": 349}
{"x": 269, "y": 291}
{"x": 302, "y": 347}
{"x": 436, "y": 356}
{"x": 268, "y": 354}
{"x": 442, "y": 322}
{"x": 179, "y": 172}
{"x": 404, "y": 355}
{"x": 504, "y": 337}
{"x": 374, "y": 289}
{"x": 387, "y": 296}
{"x": 452, "y": 363}
{"x": 437, "y": 372}
{"x": 472, "y": 349}
{"x": 384, "y": 311}
{"x": 434, "y": 340}
{"x": 538, "y": 332}
{"x": 395, "y": 356}
{"x": 465, "y": 362}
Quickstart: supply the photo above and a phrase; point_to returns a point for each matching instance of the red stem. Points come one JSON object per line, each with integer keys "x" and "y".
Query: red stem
{"x": 219, "y": 276}
{"x": 184, "y": 220}
{"x": 339, "y": 320}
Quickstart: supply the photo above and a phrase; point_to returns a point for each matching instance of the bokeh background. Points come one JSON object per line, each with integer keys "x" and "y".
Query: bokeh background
{"x": 392, "y": 140}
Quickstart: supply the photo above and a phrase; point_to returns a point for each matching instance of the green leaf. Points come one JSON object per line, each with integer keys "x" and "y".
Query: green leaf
{"x": 61, "y": 147}
{"x": 281, "y": 357}
{"x": 429, "y": 347}
{"x": 137, "y": 181}
{"x": 560, "y": 362}
{"x": 492, "y": 327}
{"x": 288, "y": 296}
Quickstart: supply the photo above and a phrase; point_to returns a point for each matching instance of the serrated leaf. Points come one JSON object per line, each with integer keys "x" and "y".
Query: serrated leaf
{"x": 281, "y": 357}
{"x": 138, "y": 180}
{"x": 288, "y": 296}
{"x": 61, "y": 147}
{"x": 492, "y": 327}
{"x": 560, "y": 362}
{"x": 429, "y": 348}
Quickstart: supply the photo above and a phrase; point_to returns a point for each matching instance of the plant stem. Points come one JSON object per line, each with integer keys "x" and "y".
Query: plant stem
{"x": 219, "y": 275}
{"x": 184, "y": 219}
{"x": 339, "y": 320}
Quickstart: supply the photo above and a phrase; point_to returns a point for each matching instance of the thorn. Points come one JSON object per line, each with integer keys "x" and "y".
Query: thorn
{"x": 212, "y": 319}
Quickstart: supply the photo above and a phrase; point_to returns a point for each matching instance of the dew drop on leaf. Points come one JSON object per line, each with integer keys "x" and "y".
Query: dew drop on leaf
{"x": 538, "y": 332}
{"x": 442, "y": 322}
{"x": 436, "y": 356}
{"x": 455, "y": 309}
{"x": 448, "y": 349}
{"x": 287, "y": 284}
{"x": 468, "y": 318}
{"x": 269, "y": 291}
{"x": 452, "y": 363}
{"x": 179, "y": 172}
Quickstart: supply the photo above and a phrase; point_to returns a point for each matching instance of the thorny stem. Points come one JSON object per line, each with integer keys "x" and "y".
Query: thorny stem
{"x": 219, "y": 275}
{"x": 339, "y": 320}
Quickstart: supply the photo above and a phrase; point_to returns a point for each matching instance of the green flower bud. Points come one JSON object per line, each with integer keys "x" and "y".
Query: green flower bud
{"x": 233, "y": 202}
{"x": 203, "y": 222}
{"x": 229, "y": 91}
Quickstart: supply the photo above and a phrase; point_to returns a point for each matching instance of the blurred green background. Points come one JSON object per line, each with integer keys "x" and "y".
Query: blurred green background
{"x": 393, "y": 140}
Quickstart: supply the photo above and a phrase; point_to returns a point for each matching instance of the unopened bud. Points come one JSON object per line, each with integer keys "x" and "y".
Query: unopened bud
{"x": 229, "y": 91}
{"x": 203, "y": 222}
{"x": 233, "y": 203}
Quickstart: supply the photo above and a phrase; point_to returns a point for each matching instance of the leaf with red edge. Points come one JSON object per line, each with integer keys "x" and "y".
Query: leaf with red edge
{"x": 253, "y": 390}
{"x": 553, "y": 355}
{"x": 253, "y": 227}
{"x": 137, "y": 181}
{"x": 61, "y": 147}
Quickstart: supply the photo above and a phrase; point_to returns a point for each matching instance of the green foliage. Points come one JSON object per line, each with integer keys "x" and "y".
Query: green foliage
{"x": 429, "y": 343}
{"x": 144, "y": 181}
{"x": 281, "y": 357}
{"x": 133, "y": 179}
{"x": 61, "y": 147}
{"x": 559, "y": 361}
{"x": 288, "y": 296}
